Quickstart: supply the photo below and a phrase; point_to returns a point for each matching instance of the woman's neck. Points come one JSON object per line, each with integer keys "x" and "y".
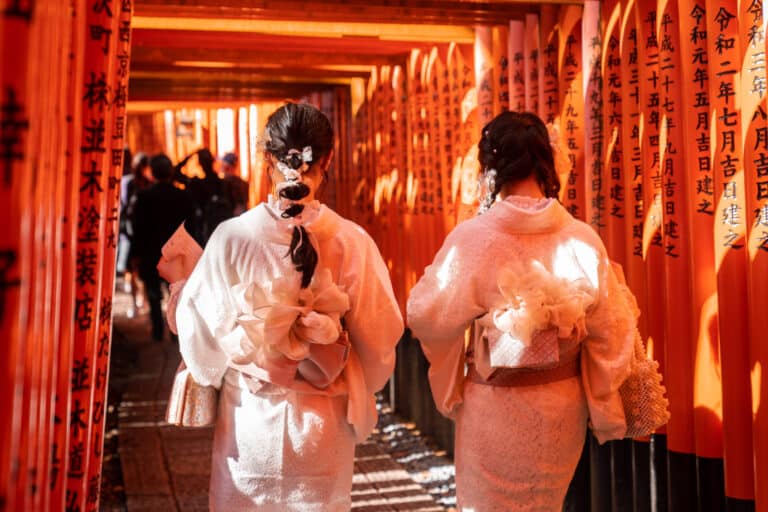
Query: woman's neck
{"x": 528, "y": 187}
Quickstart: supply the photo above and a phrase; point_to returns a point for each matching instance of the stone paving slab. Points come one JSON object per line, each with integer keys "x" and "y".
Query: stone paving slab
{"x": 166, "y": 469}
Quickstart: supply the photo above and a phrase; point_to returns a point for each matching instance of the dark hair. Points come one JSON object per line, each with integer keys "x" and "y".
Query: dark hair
{"x": 127, "y": 161}
{"x": 205, "y": 159}
{"x": 162, "y": 167}
{"x": 516, "y": 145}
{"x": 139, "y": 162}
{"x": 296, "y": 126}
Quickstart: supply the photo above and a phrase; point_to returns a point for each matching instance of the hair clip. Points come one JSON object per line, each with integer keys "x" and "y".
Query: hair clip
{"x": 296, "y": 158}
{"x": 295, "y": 163}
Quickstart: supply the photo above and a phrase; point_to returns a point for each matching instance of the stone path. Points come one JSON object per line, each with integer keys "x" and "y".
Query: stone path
{"x": 166, "y": 469}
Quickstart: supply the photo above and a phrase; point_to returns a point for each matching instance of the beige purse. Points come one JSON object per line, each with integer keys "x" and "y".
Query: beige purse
{"x": 190, "y": 404}
{"x": 645, "y": 406}
{"x": 642, "y": 394}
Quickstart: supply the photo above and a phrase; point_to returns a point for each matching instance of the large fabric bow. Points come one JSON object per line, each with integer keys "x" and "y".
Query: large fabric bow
{"x": 535, "y": 300}
{"x": 282, "y": 321}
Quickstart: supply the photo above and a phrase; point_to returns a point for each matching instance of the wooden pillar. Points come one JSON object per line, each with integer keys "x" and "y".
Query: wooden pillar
{"x": 594, "y": 193}
{"x": 571, "y": 88}
{"x": 731, "y": 218}
{"x": 613, "y": 147}
{"x": 517, "y": 66}
{"x": 652, "y": 230}
{"x": 500, "y": 56}
{"x": 531, "y": 46}
{"x": 60, "y": 443}
{"x": 101, "y": 349}
{"x": 705, "y": 346}
{"x": 751, "y": 94}
{"x": 15, "y": 182}
{"x": 678, "y": 321}
{"x": 102, "y": 29}
{"x": 549, "y": 96}
{"x": 484, "y": 80}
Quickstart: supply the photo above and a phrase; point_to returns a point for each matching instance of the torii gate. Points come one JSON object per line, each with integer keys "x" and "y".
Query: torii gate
{"x": 664, "y": 150}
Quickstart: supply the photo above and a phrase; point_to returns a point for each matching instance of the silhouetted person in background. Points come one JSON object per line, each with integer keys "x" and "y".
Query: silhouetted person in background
{"x": 159, "y": 211}
{"x": 235, "y": 187}
{"x": 130, "y": 185}
{"x": 124, "y": 243}
{"x": 211, "y": 208}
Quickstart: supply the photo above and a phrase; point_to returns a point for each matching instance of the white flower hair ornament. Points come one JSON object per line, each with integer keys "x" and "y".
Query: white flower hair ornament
{"x": 561, "y": 159}
{"x": 487, "y": 185}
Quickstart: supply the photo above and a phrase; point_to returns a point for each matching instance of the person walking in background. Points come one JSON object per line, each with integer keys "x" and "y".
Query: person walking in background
{"x": 290, "y": 313}
{"x": 235, "y": 189}
{"x": 211, "y": 207}
{"x": 158, "y": 212}
{"x": 123, "y": 243}
{"x": 130, "y": 186}
{"x": 554, "y": 330}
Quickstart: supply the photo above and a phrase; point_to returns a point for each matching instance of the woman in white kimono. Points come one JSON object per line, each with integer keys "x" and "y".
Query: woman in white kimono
{"x": 290, "y": 312}
{"x": 553, "y": 330}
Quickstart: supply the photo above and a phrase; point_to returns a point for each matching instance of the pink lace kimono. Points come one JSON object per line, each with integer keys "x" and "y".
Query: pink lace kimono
{"x": 296, "y": 391}
{"x": 522, "y": 269}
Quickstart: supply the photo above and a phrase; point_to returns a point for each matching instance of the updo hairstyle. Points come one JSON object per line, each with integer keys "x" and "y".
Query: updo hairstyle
{"x": 516, "y": 145}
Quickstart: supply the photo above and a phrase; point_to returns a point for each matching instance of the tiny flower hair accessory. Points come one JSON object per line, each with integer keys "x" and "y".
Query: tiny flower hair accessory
{"x": 553, "y": 130}
{"x": 487, "y": 190}
{"x": 295, "y": 163}
{"x": 560, "y": 157}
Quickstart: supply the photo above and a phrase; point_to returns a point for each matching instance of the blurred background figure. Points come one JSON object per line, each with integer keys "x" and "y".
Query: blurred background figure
{"x": 124, "y": 243}
{"x": 135, "y": 181}
{"x": 158, "y": 212}
{"x": 235, "y": 188}
{"x": 207, "y": 193}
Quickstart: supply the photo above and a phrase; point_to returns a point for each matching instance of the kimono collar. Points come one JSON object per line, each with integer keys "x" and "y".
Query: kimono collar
{"x": 319, "y": 220}
{"x": 521, "y": 214}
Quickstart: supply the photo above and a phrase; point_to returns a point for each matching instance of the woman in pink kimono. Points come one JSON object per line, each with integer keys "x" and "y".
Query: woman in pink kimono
{"x": 554, "y": 330}
{"x": 290, "y": 313}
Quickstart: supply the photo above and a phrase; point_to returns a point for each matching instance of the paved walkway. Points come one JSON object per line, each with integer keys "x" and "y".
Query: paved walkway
{"x": 165, "y": 468}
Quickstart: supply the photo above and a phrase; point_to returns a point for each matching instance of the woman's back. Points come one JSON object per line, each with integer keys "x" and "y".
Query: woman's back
{"x": 553, "y": 331}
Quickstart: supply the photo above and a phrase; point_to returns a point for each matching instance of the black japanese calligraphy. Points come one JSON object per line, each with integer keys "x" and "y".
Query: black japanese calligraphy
{"x": 13, "y": 127}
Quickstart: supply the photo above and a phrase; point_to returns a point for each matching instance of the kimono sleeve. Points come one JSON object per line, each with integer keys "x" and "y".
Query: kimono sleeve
{"x": 441, "y": 307}
{"x": 607, "y": 353}
{"x": 206, "y": 312}
{"x": 374, "y": 321}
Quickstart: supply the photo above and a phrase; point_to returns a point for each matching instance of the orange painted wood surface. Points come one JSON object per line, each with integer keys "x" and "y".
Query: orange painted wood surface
{"x": 571, "y": 118}
{"x": 676, "y": 243}
{"x": 751, "y": 97}
{"x": 724, "y": 53}
{"x": 532, "y": 49}
{"x": 613, "y": 139}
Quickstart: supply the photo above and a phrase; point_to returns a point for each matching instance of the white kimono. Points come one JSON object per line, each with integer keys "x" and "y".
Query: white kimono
{"x": 524, "y": 267}
{"x": 281, "y": 443}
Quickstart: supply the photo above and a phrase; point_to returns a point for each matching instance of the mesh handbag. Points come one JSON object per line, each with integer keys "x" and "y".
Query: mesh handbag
{"x": 645, "y": 406}
{"x": 191, "y": 404}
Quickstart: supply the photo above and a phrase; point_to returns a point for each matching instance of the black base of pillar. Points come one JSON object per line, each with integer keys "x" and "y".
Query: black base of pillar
{"x": 599, "y": 476}
{"x": 681, "y": 481}
{"x": 659, "y": 492}
{"x": 736, "y": 505}
{"x": 711, "y": 484}
{"x": 577, "y": 497}
{"x": 622, "y": 492}
{"x": 641, "y": 460}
